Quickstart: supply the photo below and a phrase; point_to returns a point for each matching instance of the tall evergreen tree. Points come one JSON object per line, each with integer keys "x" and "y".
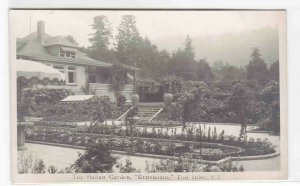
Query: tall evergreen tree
{"x": 100, "y": 39}
{"x": 257, "y": 68}
{"x": 189, "y": 48}
{"x": 183, "y": 62}
{"x": 102, "y": 33}
{"x": 128, "y": 41}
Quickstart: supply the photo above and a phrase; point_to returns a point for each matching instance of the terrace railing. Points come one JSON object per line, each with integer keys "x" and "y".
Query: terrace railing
{"x": 158, "y": 112}
{"x": 124, "y": 114}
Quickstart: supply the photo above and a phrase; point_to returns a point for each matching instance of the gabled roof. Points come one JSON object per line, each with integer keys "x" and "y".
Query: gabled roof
{"x": 31, "y": 47}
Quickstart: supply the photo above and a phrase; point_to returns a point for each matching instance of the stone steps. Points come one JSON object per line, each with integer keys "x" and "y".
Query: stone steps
{"x": 147, "y": 112}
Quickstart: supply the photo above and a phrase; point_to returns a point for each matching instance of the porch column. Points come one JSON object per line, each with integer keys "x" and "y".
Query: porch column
{"x": 134, "y": 79}
{"x": 87, "y": 82}
{"x": 21, "y": 136}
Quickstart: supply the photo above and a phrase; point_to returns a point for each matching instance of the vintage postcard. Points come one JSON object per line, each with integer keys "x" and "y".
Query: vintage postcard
{"x": 148, "y": 95}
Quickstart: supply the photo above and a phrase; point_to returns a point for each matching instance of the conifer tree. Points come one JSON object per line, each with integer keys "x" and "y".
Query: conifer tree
{"x": 257, "y": 68}
{"x": 101, "y": 39}
{"x": 102, "y": 33}
{"x": 128, "y": 41}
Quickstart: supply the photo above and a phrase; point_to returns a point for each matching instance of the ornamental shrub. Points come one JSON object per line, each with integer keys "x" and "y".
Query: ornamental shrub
{"x": 95, "y": 159}
{"x": 97, "y": 108}
{"x": 37, "y": 101}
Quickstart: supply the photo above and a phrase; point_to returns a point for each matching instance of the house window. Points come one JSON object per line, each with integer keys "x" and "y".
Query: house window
{"x": 59, "y": 68}
{"x": 69, "y": 71}
{"x": 71, "y": 75}
{"x": 67, "y": 54}
{"x": 62, "y": 53}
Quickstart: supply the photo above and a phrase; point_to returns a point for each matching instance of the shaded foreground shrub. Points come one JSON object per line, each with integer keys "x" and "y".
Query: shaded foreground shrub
{"x": 97, "y": 158}
{"x": 186, "y": 165}
{"x": 97, "y": 108}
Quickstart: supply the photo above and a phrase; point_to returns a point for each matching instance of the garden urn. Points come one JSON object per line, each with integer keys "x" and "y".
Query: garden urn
{"x": 135, "y": 98}
{"x": 168, "y": 98}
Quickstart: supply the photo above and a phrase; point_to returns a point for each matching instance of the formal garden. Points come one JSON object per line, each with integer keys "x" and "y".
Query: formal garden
{"x": 175, "y": 134}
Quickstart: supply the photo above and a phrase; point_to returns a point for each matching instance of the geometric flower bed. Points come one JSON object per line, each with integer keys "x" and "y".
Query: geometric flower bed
{"x": 133, "y": 145}
{"x": 132, "y": 140}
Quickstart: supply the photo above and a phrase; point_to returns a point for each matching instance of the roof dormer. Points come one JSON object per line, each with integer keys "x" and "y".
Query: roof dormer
{"x": 67, "y": 52}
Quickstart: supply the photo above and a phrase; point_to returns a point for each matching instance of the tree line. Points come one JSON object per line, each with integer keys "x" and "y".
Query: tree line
{"x": 128, "y": 47}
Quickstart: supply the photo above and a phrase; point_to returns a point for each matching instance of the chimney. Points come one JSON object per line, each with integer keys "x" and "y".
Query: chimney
{"x": 41, "y": 31}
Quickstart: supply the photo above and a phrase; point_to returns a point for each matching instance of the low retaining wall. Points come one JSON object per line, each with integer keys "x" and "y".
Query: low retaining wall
{"x": 164, "y": 157}
{"x": 212, "y": 123}
{"x": 259, "y": 131}
{"x": 56, "y": 144}
{"x": 259, "y": 157}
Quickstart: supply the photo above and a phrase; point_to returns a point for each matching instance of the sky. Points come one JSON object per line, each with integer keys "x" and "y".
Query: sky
{"x": 156, "y": 25}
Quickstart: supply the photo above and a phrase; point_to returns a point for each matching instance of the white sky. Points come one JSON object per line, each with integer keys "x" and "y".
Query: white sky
{"x": 154, "y": 24}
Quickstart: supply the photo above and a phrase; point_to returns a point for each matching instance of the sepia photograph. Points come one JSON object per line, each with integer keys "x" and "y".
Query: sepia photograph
{"x": 147, "y": 95}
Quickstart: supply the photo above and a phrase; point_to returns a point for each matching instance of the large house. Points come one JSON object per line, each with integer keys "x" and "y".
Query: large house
{"x": 83, "y": 74}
